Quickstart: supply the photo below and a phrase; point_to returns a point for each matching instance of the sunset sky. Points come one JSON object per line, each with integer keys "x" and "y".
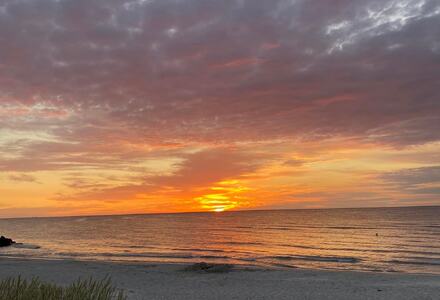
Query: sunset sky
{"x": 145, "y": 106}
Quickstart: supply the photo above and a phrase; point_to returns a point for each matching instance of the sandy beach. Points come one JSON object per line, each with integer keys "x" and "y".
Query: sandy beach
{"x": 170, "y": 281}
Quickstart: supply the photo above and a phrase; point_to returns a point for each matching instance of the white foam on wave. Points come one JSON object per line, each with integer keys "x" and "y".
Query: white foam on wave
{"x": 25, "y": 246}
{"x": 318, "y": 258}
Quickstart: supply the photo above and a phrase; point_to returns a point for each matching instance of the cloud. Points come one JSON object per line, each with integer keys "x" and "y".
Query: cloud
{"x": 414, "y": 176}
{"x": 92, "y": 64}
{"x": 294, "y": 162}
{"x": 115, "y": 87}
{"x": 423, "y": 181}
{"x": 197, "y": 172}
{"x": 22, "y": 178}
{"x": 210, "y": 166}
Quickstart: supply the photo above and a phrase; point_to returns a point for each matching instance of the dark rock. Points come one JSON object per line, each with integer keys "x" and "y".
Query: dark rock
{"x": 4, "y": 242}
{"x": 209, "y": 268}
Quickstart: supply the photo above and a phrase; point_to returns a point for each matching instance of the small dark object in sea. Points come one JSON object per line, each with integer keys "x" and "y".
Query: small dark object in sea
{"x": 4, "y": 242}
{"x": 209, "y": 268}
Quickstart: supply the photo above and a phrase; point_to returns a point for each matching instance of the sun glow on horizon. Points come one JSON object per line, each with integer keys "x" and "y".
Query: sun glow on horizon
{"x": 222, "y": 196}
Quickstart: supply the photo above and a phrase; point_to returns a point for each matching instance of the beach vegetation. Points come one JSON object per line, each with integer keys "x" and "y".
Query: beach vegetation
{"x": 18, "y": 288}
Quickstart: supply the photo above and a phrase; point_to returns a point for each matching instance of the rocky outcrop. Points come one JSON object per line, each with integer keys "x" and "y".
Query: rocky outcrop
{"x": 4, "y": 241}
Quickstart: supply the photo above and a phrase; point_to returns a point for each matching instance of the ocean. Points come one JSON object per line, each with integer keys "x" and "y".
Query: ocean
{"x": 369, "y": 239}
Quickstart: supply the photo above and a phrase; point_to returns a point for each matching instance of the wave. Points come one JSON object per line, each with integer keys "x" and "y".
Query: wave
{"x": 80, "y": 219}
{"x": 293, "y": 226}
{"x": 284, "y": 266}
{"x": 279, "y": 228}
{"x": 318, "y": 258}
{"x": 213, "y": 257}
{"x": 362, "y": 250}
{"x": 414, "y": 262}
{"x": 299, "y": 246}
{"x": 133, "y": 247}
{"x": 199, "y": 250}
{"x": 247, "y": 259}
{"x": 349, "y": 227}
{"x": 25, "y": 246}
{"x": 143, "y": 255}
{"x": 244, "y": 243}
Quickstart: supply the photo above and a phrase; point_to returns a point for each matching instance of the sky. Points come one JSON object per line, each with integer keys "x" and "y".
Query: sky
{"x": 152, "y": 106}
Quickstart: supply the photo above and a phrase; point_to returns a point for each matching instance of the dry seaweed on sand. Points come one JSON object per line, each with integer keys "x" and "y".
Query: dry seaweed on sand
{"x": 209, "y": 268}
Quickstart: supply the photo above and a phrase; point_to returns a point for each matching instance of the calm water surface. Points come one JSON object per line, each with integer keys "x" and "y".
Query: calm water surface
{"x": 407, "y": 240}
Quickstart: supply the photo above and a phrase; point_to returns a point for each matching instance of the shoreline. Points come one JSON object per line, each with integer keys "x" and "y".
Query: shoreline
{"x": 171, "y": 281}
{"x": 237, "y": 263}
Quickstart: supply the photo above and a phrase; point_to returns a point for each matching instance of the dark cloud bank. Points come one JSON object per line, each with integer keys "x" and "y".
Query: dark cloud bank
{"x": 226, "y": 70}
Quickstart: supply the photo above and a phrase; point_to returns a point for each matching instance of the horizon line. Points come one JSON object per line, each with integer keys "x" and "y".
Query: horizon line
{"x": 213, "y": 212}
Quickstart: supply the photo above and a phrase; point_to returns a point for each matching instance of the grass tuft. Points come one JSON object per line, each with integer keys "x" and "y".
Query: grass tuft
{"x": 89, "y": 289}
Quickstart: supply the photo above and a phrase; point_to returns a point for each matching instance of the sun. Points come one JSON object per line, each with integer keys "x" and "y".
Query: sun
{"x": 222, "y": 196}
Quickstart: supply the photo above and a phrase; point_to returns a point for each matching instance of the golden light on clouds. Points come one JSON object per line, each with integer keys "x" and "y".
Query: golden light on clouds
{"x": 224, "y": 195}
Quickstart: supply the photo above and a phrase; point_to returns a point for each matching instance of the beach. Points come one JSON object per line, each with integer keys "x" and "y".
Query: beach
{"x": 172, "y": 281}
{"x": 297, "y": 254}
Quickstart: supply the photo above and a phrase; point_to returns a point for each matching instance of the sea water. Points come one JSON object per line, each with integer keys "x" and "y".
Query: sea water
{"x": 369, "y": 239}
